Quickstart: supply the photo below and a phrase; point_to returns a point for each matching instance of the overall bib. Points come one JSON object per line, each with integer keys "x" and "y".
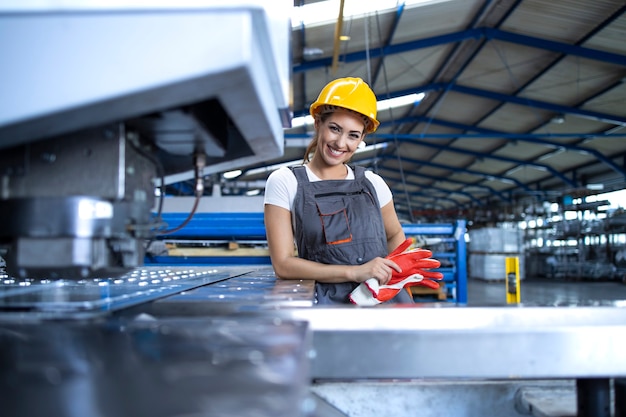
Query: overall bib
{"x": 339, "y": 222}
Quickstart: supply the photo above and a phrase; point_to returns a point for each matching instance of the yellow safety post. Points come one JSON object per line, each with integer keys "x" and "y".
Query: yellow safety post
{"x": 512, "y": 280}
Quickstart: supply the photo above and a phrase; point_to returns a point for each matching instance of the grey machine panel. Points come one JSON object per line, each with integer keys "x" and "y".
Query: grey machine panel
{"x": 75, "y": 65}
{"x": 105, "y": 101}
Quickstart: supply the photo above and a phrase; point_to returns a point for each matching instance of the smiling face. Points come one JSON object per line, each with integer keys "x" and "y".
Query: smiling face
{"x": 339, "y": 136}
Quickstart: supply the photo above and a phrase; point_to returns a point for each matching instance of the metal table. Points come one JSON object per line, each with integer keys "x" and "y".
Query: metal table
{"x": 234, "y": 337}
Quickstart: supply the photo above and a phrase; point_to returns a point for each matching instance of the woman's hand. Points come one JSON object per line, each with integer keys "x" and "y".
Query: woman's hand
{"x": 379, "y": 268}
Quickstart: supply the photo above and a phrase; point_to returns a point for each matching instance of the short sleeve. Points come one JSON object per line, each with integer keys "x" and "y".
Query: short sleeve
{"x": 280, "y": 188}
{"x": 382, "y": 189}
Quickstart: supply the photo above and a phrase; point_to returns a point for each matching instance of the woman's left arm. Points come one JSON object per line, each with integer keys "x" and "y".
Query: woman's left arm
{"x": 393, "y": 228}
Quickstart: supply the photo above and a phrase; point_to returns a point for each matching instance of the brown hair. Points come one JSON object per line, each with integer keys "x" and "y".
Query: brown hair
{"x": 320, "y": 118}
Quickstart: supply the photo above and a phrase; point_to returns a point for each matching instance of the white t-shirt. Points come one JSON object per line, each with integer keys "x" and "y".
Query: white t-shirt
{"x": 282, "y": 185}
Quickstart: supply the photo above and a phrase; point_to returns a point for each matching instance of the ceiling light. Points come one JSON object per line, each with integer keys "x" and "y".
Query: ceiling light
{"x": 232, "y": 174}
{"x": 312, "y": 52}
{"x": 270, "y": 168}
{"x": 369, "y": 148}
{"x": 400, "y": 101}
{"x": 513, "y": 170}
{"x": 322, "y": 12}
{"x": 301, "y": 121}
{"x": 558, "y": 119}
{"x": 382, "y": 105}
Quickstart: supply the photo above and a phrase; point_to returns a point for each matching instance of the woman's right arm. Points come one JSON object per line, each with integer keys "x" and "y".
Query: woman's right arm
{"x": 287, "y": 265}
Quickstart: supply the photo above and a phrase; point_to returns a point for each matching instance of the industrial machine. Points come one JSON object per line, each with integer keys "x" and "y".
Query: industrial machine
{"x": 103, "y": 103}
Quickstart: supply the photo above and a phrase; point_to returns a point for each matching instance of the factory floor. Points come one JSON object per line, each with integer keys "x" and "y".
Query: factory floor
{"x": 548, "y": 292}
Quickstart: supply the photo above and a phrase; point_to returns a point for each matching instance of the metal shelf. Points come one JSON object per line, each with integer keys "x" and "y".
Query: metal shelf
{"x": 450, "y": 236}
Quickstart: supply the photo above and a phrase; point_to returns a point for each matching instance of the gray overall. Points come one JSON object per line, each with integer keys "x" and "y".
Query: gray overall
{"x": 339, "y": 222}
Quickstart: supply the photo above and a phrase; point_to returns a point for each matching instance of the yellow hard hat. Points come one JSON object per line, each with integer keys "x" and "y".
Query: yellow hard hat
{"x": 349, "y": 93}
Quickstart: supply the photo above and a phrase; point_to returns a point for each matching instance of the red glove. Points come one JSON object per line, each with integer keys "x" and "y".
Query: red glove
{"x": 414, "y": 264}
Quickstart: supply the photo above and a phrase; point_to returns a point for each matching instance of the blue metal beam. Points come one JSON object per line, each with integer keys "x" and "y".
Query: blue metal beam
{"x": 231, "y": 226}
{"x": 556, "y": 108}
{"x": 492, "y": 95}
{"x": 560, "y": 47}
{"x": 443, "y": 190}
{"x": 616, "y": 15}
{"x": 365, "y": 162}
{"x": 441, "y": 166}
{"x": 430, "y": 193}
{"x": 448, "y": 192}
{"x": 497, "y": 34}
{"x": 182, "y": 188}
{"x": 476, "y": 33}
{"x": 527, "y": 137}
{"x": 432, "y": 197}
{"x": 402, "y": 207}
{"x": 392, "y": 49}
{"x": 537, "y": 138}
{"x": 435, "y": 178}
{"x": 435, "y": 199}
{"x": 477, "y": 48}
{"x": 411, "y": 139}
{"x": 392, "y": 31}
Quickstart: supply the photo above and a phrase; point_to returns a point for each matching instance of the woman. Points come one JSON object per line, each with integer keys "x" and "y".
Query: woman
{"x": 342, "y": 218}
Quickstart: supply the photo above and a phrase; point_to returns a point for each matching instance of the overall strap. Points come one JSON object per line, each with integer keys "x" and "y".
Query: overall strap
{"x": 300, "y": 172}
{"x": 359, "y": 172}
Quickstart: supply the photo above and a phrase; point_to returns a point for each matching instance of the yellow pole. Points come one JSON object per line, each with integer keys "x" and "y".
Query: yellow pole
{"x": 337, "y": 45}
{"x": 513, "y": 295}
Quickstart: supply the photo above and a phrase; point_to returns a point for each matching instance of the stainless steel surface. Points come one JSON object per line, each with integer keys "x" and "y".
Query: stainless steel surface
{"x": 40, "y": 299}
{"x": 434, "y": 398}
{"x": 218, "y": 367}
{"x": 322, "y": 408}
{"x": 437, "y": 358}
{"x": 557, "y": 401}
{"x": 431, "y": 340}
{"x": 258, "y": 289}
{"x": 462, "y": 343}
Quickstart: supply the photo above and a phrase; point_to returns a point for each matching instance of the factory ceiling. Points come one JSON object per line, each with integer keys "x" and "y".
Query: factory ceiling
{"x": 514, "y": 100}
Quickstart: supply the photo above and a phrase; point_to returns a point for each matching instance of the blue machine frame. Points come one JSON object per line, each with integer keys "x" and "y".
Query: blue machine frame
{"x": 246, "y": 227}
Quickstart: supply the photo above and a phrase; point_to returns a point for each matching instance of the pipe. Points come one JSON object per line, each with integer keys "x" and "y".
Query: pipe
{"x": 338, "y": 29}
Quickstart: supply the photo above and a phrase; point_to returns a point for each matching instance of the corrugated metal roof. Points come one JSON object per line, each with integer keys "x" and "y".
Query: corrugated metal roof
{"x": 522, "y": 98}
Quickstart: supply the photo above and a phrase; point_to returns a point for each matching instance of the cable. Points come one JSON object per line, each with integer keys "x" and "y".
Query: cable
{"x": 394, "y": 130}
{"x": 367, "y": 49}
{"x": 199, "y": 164}
{"x": 160, "y": 172}
{"x": 132, "y": 139}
